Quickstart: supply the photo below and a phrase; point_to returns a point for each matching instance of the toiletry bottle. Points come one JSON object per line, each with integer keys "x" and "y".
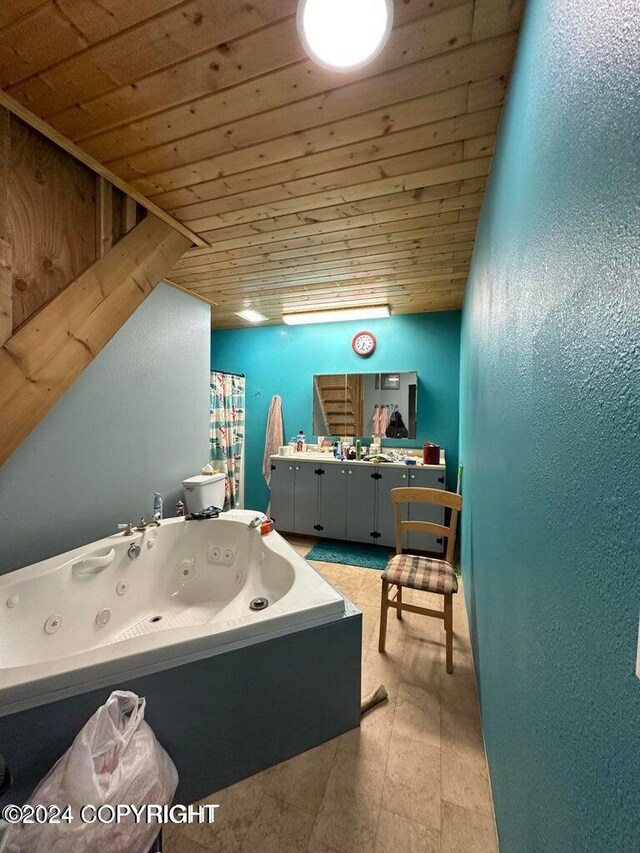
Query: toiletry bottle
{"x": 300, "y": 442}
{"x": 157, "y": 505}
{"x": 179, "y": 509}
{"x": 358, "y": 449}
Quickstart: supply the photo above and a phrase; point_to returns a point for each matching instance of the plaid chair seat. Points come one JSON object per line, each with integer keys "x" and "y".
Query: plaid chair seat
{"x": 424, "y": 573}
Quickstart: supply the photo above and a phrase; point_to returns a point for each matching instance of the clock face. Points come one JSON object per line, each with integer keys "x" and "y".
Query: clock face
{"x": 363, "y": 343}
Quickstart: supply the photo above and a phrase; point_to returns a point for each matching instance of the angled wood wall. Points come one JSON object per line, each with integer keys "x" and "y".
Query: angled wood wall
{"x": 46, "y": 355}
{"x": 57, "y": 217}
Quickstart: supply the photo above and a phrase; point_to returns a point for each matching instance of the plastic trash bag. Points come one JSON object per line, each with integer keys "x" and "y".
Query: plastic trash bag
{"x": 115, "y": 759}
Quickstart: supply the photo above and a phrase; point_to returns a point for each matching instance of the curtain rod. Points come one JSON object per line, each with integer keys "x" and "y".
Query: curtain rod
{"x": 229, "y": 373}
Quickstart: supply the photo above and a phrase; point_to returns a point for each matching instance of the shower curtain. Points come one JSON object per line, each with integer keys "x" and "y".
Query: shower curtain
{"x": 227, "y": 430}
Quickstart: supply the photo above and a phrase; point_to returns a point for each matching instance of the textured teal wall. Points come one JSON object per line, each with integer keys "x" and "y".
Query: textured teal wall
{"x": 550, "y": 408}
{"x": 136, "y": 421}
{"x": 283, "y": 359}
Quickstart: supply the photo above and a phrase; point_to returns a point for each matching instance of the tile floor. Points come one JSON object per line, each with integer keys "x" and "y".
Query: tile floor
{"x": 412, "y": 779}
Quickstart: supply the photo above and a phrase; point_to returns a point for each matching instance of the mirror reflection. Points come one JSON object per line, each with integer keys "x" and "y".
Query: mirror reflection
{"x": 383, "y": 405}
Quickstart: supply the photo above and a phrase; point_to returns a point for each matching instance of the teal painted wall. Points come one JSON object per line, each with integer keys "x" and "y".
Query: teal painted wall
{"x": 136, "y": 421}
{"x": 550, "y": 443}
{"x": 283, "y": 359}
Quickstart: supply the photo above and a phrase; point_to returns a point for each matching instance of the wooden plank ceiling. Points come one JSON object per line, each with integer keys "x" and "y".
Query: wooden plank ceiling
{"x": 312, "y": 188}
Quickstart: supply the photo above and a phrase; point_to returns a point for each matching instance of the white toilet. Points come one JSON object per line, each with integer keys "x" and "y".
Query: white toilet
{"x": 204, "y": 491}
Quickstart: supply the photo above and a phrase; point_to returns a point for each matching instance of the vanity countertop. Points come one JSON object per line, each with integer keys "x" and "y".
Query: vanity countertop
{"x": 327, "y": 458}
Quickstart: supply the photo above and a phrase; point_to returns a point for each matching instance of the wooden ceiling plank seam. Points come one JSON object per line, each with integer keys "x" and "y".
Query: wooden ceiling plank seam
{"x": 348, "y": 134}
{"x": 319, "y": 297}
{"x": 401, "y": 206}
{"x": 392, "y": 233}
{"x": 485, "y": 58}
{"x": 126, "y": 64}
{"x": 384, "y": 186}
{"x": 138, "y": 50}
{"x": 13, "y": 10}
{"x": 43, "y": 127}
{"x": 447, "y": 269}
{"x": 333, "y": 252}
{"x": 382, "y": 153}
{"x": 47, "y": 30}
{"x": 428, "y": 272}
{"x": 362, "y": 268}
{"x": 354, "y": 130}
{"x": 349, "y": 176}
{"x": 359, "y": 129}
{"x": 289, "y": 86}
{"x": 170, "y": 88}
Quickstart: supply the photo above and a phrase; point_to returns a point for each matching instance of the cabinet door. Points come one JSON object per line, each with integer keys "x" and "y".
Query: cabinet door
{"x": 361, "y": 504}
{"x": 281, "y": 485}
{"x": 429, "y": 479}
{"x": 305, "y": 502}
{"x": 389, "y": 478}
{"x": 333, "y": 501}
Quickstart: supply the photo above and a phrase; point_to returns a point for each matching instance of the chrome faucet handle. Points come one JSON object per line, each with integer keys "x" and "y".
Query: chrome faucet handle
{"x": 256, "y": 522}
{"x": 128, "y": 529}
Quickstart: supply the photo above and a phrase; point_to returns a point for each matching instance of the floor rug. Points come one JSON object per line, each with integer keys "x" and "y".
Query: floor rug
{"x": 350, "y": 554}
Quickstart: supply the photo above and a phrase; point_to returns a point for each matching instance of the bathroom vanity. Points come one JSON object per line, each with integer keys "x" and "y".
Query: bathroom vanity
{"x": 317, "y": 495}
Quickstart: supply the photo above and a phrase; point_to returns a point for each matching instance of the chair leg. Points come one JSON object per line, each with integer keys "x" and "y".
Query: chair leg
{"x": 384, "y": 606}
{"x": 448, "y": 626}
{"x": 399, "y": 603}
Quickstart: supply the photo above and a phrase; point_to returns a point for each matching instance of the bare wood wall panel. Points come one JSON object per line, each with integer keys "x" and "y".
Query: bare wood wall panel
{"x": 52, "y": 219}
{"x": 6, "y": 308}
{"x": 304, "y": 186}
{"x": 44, "y": 357}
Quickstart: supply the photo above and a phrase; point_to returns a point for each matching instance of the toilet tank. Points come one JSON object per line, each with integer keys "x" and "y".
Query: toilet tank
{"x": 204, "y": 491}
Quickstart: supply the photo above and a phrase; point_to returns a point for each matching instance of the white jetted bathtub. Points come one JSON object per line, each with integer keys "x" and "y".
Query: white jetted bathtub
{"x": 132, "y": 605}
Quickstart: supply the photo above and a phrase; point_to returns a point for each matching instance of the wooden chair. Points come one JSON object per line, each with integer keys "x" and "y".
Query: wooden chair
{"x": 423, "y": 573}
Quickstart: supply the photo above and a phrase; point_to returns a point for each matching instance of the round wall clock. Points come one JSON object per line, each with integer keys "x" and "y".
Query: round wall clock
{"x": 363, "y": 343}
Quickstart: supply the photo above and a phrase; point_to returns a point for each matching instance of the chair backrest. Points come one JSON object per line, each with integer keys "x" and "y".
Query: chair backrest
{"x": 438, "y": 497}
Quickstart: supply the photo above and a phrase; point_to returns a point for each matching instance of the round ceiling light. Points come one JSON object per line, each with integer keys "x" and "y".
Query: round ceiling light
{"x": 344, "y": 34}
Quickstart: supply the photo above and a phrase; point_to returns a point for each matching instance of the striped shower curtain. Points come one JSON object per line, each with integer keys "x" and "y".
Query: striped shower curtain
{"x": 227, "y": 430}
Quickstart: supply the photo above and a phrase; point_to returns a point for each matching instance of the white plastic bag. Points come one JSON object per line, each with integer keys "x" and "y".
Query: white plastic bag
{"x": 114, "y": 760}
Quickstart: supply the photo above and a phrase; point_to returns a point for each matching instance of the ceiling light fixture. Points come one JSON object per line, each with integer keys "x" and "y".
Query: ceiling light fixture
{"x": 344, "y": 34}
{"x": 366, "y": 312}
{"x": 251, "y": 316}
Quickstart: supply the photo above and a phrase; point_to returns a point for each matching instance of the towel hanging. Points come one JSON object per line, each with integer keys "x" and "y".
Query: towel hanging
{"x": 274, "y": 435}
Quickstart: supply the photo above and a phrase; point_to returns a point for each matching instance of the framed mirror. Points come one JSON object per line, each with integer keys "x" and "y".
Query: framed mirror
{"x": 384, "y": 405}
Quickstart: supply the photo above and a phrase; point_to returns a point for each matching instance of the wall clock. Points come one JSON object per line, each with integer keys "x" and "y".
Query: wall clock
{"x": 363, "y": 343}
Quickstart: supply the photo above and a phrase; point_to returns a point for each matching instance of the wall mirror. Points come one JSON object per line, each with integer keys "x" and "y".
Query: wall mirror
{"x": 365, "y": 404}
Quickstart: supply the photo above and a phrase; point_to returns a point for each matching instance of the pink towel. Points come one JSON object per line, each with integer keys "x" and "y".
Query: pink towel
{"x": 383, "y": 421}
{"x": 274, "y": 435}
{"x": 375, "y": 421}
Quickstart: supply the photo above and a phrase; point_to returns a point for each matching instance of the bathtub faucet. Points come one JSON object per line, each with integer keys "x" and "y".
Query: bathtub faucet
{"x": 256, "y": 522}
{"x": 153, "y": 522}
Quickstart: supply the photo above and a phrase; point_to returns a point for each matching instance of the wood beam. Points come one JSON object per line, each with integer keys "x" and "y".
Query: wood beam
{"x": 104, "y": 216}
{"x": 6, "y": 307}
{"x": 48, "y": 353}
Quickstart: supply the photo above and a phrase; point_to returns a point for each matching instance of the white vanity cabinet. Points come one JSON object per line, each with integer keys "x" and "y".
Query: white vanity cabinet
{"x": 350, "y": 500}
